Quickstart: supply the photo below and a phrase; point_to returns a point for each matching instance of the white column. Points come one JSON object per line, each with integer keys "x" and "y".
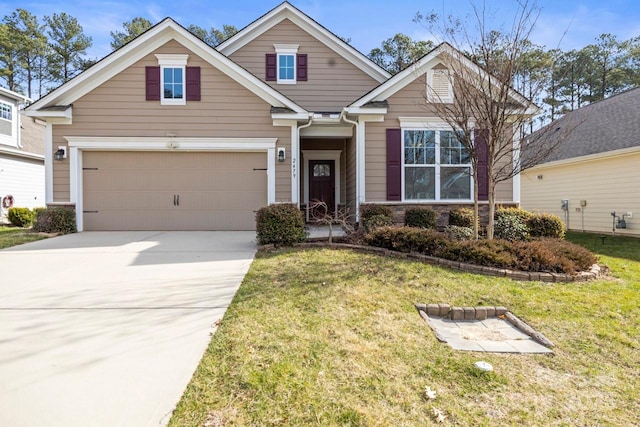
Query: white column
{"x": 48, "y": 163}
{"x": 271, "y": 175}
{"x": 75, "y": 183}
{"x": 295, "y": 165}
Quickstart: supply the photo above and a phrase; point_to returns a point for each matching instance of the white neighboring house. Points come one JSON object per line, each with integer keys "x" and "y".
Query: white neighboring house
{"x": 21, "y": 155}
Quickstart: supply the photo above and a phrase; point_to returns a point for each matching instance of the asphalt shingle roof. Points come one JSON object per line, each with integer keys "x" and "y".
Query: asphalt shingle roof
{"x": 607, "y": 125}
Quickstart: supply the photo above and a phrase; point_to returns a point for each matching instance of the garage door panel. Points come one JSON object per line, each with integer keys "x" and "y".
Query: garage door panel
{"x": 136, "y": 190}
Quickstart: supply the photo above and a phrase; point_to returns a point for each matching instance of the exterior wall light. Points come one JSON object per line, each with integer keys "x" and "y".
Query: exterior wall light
{"x": 281, "y": 154}
{"x": 61, "y": 154}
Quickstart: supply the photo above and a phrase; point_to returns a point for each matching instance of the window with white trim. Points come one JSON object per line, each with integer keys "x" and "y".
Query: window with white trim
{"x": 286, "y": 60}
{"x": 172, "y": 78}
{"x": 6, "y": 111}
{"x": 436, "y": 166}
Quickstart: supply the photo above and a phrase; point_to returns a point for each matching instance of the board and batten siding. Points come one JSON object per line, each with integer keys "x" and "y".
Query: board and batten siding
{"x": 118, "y": 108}
{"x": 607, "y": 184}
{"x": 407, "y": 102}
{"x": 332, "y": 83}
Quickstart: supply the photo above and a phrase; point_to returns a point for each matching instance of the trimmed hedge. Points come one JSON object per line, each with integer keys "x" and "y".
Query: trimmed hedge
{"x": 368, "y": 211}
{"x": 461, "y": 217}
{"x": 420, "y": 218}
{"x": 55, "y": 220}
{"x": 280, "y": 224}
{"x": 20, "y": 217}
{"x": 510, "y": 227}
{"x": 455, "y": 232}
{"x": 548, "y": 255}
{"x": 546, "y": 225}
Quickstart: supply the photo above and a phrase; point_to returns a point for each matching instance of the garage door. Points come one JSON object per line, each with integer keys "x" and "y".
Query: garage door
{"x": 172, "y": 191}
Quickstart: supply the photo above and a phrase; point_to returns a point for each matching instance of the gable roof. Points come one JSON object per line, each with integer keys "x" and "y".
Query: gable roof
{"x": 409, "y": 74}
{"x": 607, "y": 125}
{"x": 287, "y": 11}
{"x": 14, "y": 95}
{"x": 145, "y": 44}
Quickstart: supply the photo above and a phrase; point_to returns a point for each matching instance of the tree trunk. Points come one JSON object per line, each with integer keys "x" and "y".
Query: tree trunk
{"x": 492, "y": 203}
{"x": 476, "y": 208}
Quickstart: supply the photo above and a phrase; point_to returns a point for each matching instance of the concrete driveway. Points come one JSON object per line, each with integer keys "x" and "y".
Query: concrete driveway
{"x": 107, "y": 328}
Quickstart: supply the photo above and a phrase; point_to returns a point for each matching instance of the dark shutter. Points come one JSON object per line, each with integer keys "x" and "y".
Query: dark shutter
{"x": 301, "y": 67}
{"x": 271, "y": 67}
{"x": 193, "y": 83}
{"x": 483, "y": 173}
{"x": 394, "y": 164}
{"x": 152, "y": 83}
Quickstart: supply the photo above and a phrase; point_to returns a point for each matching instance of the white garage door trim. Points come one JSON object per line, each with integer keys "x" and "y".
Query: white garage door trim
{"x": 78, "y": 144}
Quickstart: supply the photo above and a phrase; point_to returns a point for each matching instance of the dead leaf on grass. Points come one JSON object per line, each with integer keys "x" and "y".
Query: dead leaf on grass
{"x": 439, "y": 415}
{"x": 214, "y": 419}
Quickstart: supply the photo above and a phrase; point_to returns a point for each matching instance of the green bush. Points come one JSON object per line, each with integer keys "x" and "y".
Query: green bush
{"x": 420, "y": 218}
{"x": 280, "y": 224}
{"x": 408, "y": 239}
{"x": 368, "y": 211}
{"x": 461, "y": 217}
{"x": 376, "y": 221}
{"x": 511, "y": 228}
{"x": 20, "y": 217}
{"x": 55, "y": 220}
{"x": 545, "y": 225}
{"x": 455, "y": 232}
{"x": 520, "y": 213}
{"x": 489, "y": 253}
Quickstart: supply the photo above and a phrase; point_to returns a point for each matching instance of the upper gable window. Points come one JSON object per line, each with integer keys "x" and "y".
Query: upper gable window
{"x": 6, "y": 111}
{"x": 439, "y": 85}
{"x": 172, "y": 78}
{"x": 286, "y": 54}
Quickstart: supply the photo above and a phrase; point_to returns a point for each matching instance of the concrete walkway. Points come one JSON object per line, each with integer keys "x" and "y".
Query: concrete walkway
{"x": 107, "y": 328}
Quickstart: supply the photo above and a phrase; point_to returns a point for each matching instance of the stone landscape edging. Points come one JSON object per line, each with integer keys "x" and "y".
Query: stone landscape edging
{"x": 583, "y": 276}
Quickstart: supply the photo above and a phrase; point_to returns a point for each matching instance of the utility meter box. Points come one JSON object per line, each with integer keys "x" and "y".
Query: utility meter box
{"x": 564, "y": 204}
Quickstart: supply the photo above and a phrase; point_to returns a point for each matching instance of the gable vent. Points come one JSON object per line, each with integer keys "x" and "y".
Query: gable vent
{"x": 439, "y": 86}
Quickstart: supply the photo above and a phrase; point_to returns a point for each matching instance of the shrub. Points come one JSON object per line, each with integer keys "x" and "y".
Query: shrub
{"x": 455, "y": 232}
{"x": 280, "y": 224}
{"x": 376, "y": 221}
{"x": 20, "y": 217}
{"x": 55, "y": 220}
{"x": 524, "y": 215}
{"x": 510, "y": 227}
{"x": 368, "y": 211}
{"x": 420, "y": 218}
{"x": 461, "y": 217}
{"x": 553, "y": 256}
{"x": 545, "y": 225}
{"x": 408, "y": 239}
{"x": 490, "y": 253}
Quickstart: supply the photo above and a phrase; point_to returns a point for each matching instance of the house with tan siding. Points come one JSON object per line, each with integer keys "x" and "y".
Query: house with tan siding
{"x": 594, "y": 168}
{"x": 21, "y": 155}
{"x": 168, "y": 133}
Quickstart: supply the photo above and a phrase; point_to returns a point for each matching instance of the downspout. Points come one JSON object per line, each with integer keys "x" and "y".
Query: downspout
{"x": 343, "y": 117}
{"x": 296, "y": 160}
{"x": 18, "y": 133}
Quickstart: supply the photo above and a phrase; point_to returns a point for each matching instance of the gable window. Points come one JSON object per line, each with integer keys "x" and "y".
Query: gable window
{"x": 172, "y": 78}
{"x": 286, "y": 68}
{"x": 436, "y": 166}
{"x": 6, "y": 111}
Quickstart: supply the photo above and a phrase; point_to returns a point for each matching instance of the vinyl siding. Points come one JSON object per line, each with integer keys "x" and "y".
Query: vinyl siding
{"x": 407, "y": 102}
{"x": 118, "y": 108}
{"x": 332, "y": 83}
{"x": 607, "y": 184}
{"x": 23, "y": 179}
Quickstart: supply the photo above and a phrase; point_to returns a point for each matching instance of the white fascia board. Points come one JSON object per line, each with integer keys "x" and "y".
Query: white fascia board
{"x": 14, "y": 95}
{"x": 53, "y": 116}
{"x": 365, "y": 110}
{"x": 20, "y": 153}
{"x": 147, "y": 44}
{"x": 170, "y": 143}
{"x": 290, "y": 116}
{"x": 585, "y": 159}
{"x": 286, "y": 11}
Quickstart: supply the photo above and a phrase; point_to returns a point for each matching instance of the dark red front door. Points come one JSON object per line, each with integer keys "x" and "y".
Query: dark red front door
{"x": 322, "y": 182}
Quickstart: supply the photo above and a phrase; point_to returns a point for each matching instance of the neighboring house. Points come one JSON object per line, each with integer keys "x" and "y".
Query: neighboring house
{"x": 168, "y": 133}
{"x": 595, "y": 168}
{"x": 21, "y": 154}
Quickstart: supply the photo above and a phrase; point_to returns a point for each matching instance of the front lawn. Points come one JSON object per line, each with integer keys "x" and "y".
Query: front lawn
{"x": 13, "y": 236}
{"x": 331, "y": 337}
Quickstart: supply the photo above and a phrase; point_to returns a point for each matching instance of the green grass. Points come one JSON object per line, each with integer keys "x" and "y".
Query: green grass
{"x": 13, "y": 236}
{"x": 331, "y": 337}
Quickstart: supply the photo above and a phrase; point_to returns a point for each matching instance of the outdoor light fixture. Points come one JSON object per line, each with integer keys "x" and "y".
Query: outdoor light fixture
{"x": 281, "y": 154}
{"x": 61, "y": 154}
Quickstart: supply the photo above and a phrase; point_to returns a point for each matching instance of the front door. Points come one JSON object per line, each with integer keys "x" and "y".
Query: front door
{"x": 322, "y": 184}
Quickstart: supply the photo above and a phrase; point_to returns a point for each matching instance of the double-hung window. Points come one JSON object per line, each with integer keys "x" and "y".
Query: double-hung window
{"x": 436, "y": 166}
{"x": 6, "y": 111}
{"x": 6, "y": 120}
{"x": 172, "y": 78}
{"x": 286, "y": 54}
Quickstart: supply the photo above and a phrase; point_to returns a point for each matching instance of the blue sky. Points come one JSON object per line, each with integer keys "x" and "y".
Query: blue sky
{"x": 562, "y": 23}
